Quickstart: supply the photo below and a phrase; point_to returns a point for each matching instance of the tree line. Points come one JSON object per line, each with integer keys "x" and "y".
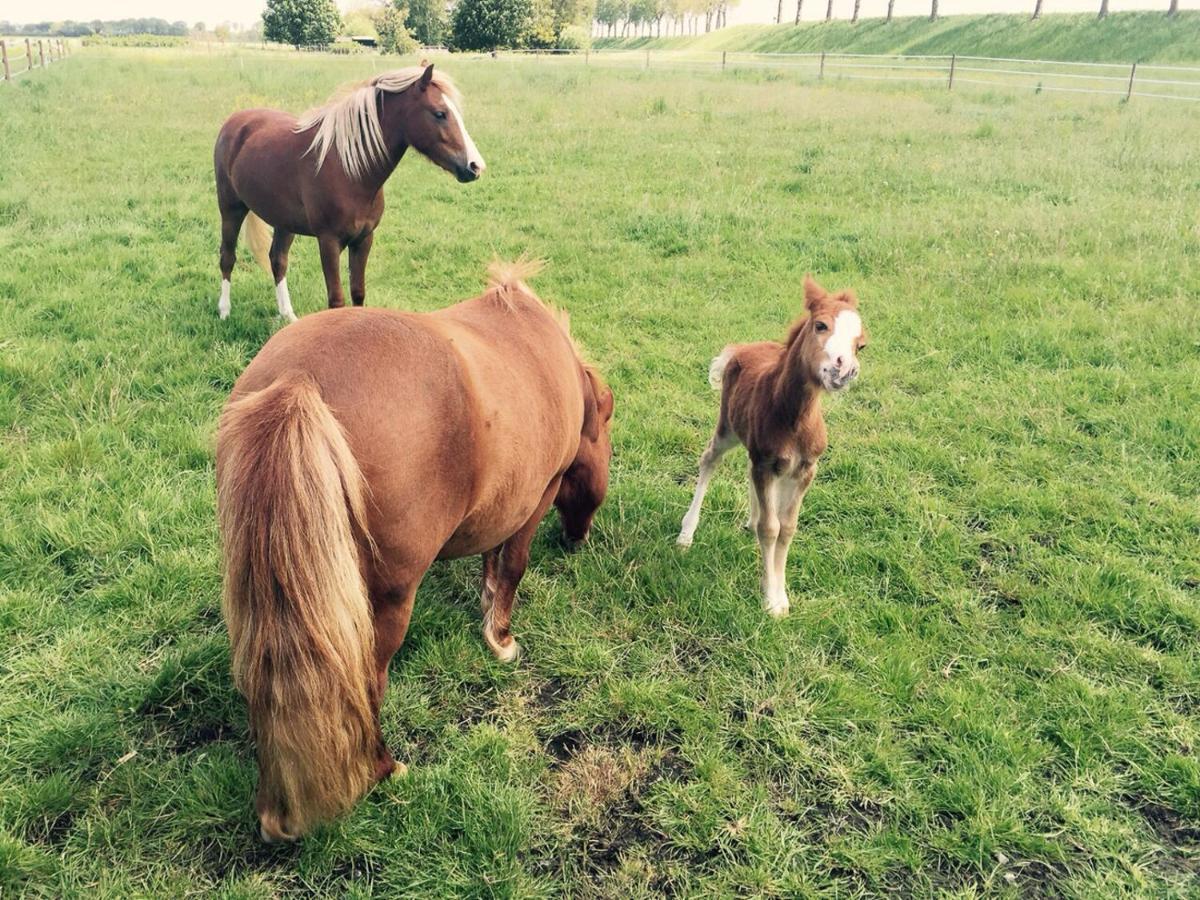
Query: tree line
{"x": 113, "y": 27}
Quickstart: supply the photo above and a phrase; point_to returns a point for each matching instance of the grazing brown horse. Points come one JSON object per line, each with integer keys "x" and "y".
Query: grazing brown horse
{"x": 272, "y": 170}
{"x": 358, "y": 447}
{"x": 771, "y": 403}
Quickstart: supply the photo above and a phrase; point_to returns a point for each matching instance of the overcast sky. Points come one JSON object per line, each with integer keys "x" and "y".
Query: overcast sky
{"x": 246, "y": 11}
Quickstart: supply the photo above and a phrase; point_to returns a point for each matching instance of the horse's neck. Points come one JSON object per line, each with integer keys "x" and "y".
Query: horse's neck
{"x": 391, "y": 123}
{"x": 795, "y": 400}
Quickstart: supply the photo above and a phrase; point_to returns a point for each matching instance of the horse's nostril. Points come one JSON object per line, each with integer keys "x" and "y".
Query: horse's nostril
{"x": 473, "y": 166}
{"x": 840, "y": 361}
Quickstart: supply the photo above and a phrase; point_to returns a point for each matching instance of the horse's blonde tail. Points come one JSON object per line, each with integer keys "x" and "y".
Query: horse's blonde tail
{"x": 716, "y": 369}
{"x": 258, "y": 238}
{"x": 292, "y": 506}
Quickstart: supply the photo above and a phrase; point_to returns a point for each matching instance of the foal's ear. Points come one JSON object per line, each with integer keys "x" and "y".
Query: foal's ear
{"x": 426, "y": 76}
{"x": 813, "y": 292}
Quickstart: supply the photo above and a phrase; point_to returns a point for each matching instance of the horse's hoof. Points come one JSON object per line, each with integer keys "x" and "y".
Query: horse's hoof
{"x": 223, "y": 313}
{"x": 289, "y": 318}
{"x": 777, "y": 610}
{"x": 401, "y": 770}
{"x": 505, "y": 653}
{"x": 683, "y": 542}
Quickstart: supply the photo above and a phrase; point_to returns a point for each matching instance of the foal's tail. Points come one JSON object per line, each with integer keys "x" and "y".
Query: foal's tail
{"x": 716, "y": 369}
{"x": 258, "y": 238}
{"x": 292, "y": 505}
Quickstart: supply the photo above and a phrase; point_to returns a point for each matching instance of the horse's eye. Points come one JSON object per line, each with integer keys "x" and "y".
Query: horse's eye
{"x": 439, "y": 114}
{"x": 821, "y": 326}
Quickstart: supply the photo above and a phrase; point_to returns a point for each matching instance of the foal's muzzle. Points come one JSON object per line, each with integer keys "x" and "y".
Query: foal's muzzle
{"x": 839, "y": 379}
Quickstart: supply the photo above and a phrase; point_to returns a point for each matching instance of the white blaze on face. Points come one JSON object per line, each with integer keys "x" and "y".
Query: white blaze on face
{"x": 843, "y": 342}
{"x": 473, "y": 155}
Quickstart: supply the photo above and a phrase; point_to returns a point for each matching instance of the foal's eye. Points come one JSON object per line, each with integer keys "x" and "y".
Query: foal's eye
{"x": 439, "y": 114}
{"x": 821, "y": 326}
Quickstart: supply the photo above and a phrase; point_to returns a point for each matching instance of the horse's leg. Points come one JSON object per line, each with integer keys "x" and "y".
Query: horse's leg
{"x": 281, "y": 243}
{"x": 791, "y": 493}
{"x": 392, "y": 610}
{"x": 331, "y": 258}
{"x": 765, "y": 486}
{"x": 490, "y": 561}
{"x": 231, "y": 223}
{"x": 358, "y": 268}
{"x": 717, "y": 447}
{"x": 752, "y": 519}
{"x": 514, "y": 557}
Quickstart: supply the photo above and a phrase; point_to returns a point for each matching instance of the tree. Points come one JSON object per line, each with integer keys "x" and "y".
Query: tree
{"x": 221, "y": 32}
{"x": 1103, "y": 10}
{"x": 1173, "y": 10}
{"x": 1037, "y": 10}
{"x": 199, "y": 28}
{"x": 359, "y": 21}
{"x": 488, "y": 24}
{"x": 829, "y": 11}
{"x": 854, "y": 18}
{"x": 891, "y": 6}
{"x": 393, "y": 36}
{"x": 301, "y": 23}
{"x": 427, "y": 21}
{"x": 799, "y": 6}
{"x": 933, "y": 12}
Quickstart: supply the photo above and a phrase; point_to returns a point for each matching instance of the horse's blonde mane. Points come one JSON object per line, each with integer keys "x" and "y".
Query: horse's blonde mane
{"x": 508, "y": 278}
{"x": 349, "y": 120}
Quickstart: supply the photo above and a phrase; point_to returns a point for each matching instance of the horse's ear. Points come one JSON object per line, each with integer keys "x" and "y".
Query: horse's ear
{"x": 813, "y": 292}
{"x": 849, "y": 298}
{"x": 426, "y": 76}
{"x": 593, "y": 413}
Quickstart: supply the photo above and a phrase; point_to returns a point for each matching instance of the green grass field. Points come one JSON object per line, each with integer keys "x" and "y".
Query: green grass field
{"x": 990, "y": 680}
{"x": 1122, "y": 37}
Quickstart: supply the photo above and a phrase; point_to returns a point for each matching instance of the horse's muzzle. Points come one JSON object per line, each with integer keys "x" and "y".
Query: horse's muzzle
{"x": 469, "y": 172}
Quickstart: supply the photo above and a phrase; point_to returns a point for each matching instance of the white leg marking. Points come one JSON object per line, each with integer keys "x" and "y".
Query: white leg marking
{"x": 505, "y": 653}
{"x": 717, "y": 448}
{"x": 283, "y": 301}
{"x": 223, "y": 303}
{"x": 774, "y": 598}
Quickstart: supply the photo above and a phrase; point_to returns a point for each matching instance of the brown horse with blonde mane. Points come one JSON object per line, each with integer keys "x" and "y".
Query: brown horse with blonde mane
{"x": 771, "y": 402}
{"x": 272, "y": 171}
{"x": 358, "y": 447}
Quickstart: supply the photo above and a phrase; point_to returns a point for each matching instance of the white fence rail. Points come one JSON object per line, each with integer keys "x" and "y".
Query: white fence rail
{"x": 1125, "y": 80}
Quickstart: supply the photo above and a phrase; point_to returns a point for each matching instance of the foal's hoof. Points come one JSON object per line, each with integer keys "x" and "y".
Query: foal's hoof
{"x": 223, "y": 313}
{"x": 683, "y": 542}
{"x": 777, "y": 610}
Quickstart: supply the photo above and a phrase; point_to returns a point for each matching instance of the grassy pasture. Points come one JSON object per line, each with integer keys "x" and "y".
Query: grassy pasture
{"x": 990, "y": 681}
{"x": 1122, "y": 37}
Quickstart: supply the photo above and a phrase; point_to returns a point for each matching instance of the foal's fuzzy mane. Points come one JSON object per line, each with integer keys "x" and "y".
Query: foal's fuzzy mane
{"x": 349, "y": 120}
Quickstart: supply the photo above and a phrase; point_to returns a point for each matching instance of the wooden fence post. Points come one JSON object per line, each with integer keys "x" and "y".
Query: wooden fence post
{"x": 821, "y": 73}
{"x": 28, "y": 55}
{"x": 1132, "y": 72}
{"x": 4, "y": 56}
{"x": 722, "y": 60}
{"x": 41, "y": 55}
{"x": 953, "y": 60}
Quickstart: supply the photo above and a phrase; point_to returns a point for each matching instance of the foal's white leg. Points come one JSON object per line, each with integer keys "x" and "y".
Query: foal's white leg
{"x": 791, "y": 493}
{"x": 752, "y": 519}
{"x": 223, "y": 303}
{"x": 283, "y": 301}
{"x": 775, "y": 600}
{"x": 716, "y": 448}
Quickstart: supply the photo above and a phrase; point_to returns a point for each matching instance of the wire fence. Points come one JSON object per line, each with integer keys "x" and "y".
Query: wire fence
{"x": 24, "y": 55}
{"x": 1125, "y": 80}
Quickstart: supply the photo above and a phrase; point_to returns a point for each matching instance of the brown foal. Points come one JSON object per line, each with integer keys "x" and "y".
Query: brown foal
{"x": 272, "y": 171}
{"x": 358, "y": 447}
{"x": 771, "y": 403}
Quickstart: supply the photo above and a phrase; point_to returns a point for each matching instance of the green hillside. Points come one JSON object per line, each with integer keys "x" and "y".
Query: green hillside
{"x": 1121, "y": 37}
